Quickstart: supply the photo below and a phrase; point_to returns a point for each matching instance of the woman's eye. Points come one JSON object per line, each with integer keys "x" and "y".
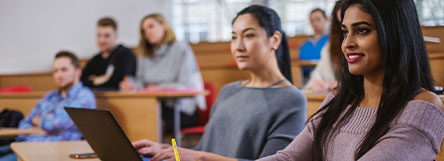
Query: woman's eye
{"x": 363, "y": 31}
{"x": 233, "y": 37}
{"x": 249, "y": 35}
{"x": 344, "y": 33}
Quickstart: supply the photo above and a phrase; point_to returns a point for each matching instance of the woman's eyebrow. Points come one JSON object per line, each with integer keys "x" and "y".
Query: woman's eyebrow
{"x": 245, "y": 30}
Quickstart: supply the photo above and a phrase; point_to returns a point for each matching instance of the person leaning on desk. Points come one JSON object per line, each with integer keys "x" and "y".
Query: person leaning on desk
{"x": 253, "y": 118}
{"x": 107, "y": 69}
{"x": 165, "y": 62}
{"x": 48, "y": 121}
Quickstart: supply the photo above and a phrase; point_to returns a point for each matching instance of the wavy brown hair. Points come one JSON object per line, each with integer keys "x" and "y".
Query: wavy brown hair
{"x": 145, "y": 47}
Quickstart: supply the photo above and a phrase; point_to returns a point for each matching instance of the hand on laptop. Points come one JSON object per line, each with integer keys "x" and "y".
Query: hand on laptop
{"x": 184, "y": 154}
{"x": 148, "y": 148}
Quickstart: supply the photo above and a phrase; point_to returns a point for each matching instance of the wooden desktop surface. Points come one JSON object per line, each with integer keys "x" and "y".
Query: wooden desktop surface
{"x": 13, "y": 132}
{"x": 137, "y": 113}
{"x": 50, "y": 151}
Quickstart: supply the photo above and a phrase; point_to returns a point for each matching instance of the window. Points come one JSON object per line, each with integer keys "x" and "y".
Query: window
{"x": 210, "y": 20}
{"x": 205, "y": 20}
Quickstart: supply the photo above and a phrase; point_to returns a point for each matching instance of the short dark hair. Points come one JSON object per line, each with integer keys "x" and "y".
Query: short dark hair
{"x": 320, "y": 10}
{"x": 74, "y": 60}
{"x": 107, "y": 21}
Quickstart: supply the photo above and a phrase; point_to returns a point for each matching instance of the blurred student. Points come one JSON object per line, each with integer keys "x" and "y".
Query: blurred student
{"x": 48, "y": 121}
{"x": 311, "y": 49}
{"x": 252, "y": 118}
{"x": 114, "y": 61}
{"x": 325, "y": 75}
{"x": 165, "y": 62}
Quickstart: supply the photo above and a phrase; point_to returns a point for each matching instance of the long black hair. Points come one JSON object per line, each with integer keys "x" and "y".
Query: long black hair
{"x": 336, "y": 55}
{"x": 270, "y": 21}
{"x": 406, "y": 71}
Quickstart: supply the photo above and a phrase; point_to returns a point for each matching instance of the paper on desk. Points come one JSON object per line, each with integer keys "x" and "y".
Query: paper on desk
{"x": 172, "y": 90}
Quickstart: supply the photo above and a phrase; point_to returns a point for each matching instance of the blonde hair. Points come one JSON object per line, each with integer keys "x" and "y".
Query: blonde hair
{"x": 145, "y": 47}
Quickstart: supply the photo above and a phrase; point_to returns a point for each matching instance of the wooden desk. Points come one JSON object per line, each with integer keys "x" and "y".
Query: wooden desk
{"x": 137, "y": 113}
{"x": 314, "y": 101}
{"x": 13, "y": 132}
{"x": 50, "y": 151}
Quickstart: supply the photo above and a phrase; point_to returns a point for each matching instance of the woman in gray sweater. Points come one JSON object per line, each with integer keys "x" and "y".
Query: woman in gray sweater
{"x": 256, "y": 117}
{"x": 164, "y": 62}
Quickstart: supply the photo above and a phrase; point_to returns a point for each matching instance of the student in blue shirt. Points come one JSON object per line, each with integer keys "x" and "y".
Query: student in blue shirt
{"x": 311, "y": 49}
{"x": 48, "y": 121}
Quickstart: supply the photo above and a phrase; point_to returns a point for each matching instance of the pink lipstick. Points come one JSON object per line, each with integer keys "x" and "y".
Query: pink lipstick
{"x": 354, "y": 57}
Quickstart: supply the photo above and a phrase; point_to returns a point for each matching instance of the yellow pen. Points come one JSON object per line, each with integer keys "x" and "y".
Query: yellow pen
{"x": 175, "y": 149}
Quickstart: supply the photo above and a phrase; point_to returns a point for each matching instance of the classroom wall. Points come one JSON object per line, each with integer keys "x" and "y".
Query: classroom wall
{"x": 31, "y": 32}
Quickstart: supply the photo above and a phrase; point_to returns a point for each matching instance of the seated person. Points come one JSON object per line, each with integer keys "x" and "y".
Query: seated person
{"x": 48, "y": 120}
{"x": 108, "y": 68}
{"x": 384, "y": 108}
{"x": 253, "y": 118}
{"x": 325, "y": 75}
{"x": 311, "y": 49}
{"x": 165, "y": 62}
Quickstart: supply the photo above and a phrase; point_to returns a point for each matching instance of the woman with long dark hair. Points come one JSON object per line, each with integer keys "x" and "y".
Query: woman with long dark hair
{"x": 253, "y": 118}
{"x": 383, "y": 108}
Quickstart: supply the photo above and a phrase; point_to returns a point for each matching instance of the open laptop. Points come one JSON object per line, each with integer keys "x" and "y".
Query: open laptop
{"x": 104, "y": 134}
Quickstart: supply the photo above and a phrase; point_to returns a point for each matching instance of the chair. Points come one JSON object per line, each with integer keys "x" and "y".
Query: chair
{"x": 16, "y": 89}
{"x": 203, "y": 115}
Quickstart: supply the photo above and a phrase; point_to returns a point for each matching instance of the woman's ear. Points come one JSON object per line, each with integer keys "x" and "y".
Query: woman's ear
{"x": 275, "y": 40}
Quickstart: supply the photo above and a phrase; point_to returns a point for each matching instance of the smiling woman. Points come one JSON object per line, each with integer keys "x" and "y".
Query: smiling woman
{"x": 361, "y": 47}
{"x": 383, "y": 108}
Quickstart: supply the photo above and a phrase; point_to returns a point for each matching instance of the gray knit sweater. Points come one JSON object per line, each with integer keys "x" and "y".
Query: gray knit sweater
{"x": 173, "y": 66}
{"x": 414, "y": 135}
{"x": 251, "y": 123}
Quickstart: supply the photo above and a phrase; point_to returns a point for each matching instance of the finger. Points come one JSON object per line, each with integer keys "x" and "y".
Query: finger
{"x": 164, "y": 154}
{"x": 172, "y": 159}
{"x": 146, "y": 151}
{"x": 141, "y": 143}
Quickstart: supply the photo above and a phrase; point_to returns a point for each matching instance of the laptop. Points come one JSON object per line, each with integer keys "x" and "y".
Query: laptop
{"x": 104, "y": 134}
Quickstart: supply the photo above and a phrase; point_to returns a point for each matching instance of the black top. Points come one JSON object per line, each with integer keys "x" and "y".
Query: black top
{"x": 124, "y": 63}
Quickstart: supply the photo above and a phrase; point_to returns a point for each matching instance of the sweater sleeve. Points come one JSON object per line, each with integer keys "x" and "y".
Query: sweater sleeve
{"x": 301, "y": 147}
{"x": 287, "y": 124}
{"x": 402, "y": 143}
{"x": 189, "y": 75}
{"x": 415, "y": 135}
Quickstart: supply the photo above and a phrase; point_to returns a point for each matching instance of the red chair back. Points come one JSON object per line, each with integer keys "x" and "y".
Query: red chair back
{"x": 15, "y": 89}
{"x": 204, "y": 116}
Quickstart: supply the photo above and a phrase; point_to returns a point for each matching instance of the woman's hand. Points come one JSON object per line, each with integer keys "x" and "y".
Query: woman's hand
{"x": 189, "y": 155}
{"x": 319, "y": 85}
{"x": 184, "y": 154}
{"x": 127, "y": 86}
{"x": 147, "y": 147}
